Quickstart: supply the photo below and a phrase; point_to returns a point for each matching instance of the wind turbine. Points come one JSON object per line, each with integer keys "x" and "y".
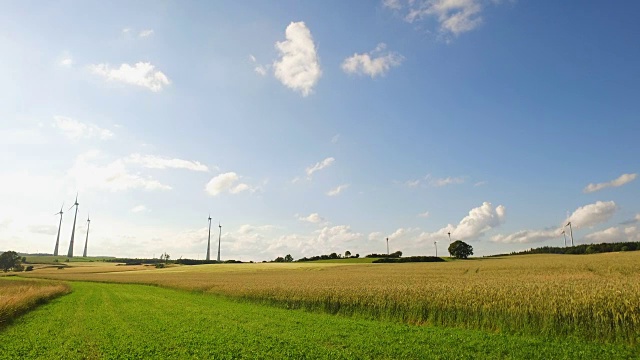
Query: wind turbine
{"x": 435, "y": 243}
{"x": 449, "y": 233}
{"x": 564, "y": 233}
{"x": 55, "y": 251}
{"x": 570, "y": 231}
{"x": 209, "y": 240}
{"x": 73, "y": 231}
{"x": 219, "y": 236}
{"x": 387, "y": 246}
{"x": 86, "y": 241}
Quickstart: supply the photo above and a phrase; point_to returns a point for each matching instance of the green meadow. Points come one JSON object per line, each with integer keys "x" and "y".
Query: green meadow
{"x": 124, "y": 321}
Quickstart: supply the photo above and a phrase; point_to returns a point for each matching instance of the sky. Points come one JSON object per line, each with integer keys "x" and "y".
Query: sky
{"x": 312, "y": 127}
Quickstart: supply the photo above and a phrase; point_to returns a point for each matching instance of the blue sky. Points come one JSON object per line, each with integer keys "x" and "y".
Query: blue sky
{"x": 316, "y": 127}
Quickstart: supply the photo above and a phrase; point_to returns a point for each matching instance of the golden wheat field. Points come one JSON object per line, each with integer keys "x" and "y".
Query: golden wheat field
{"x": 17, "y": 297}
{"x": 591, "y": 296}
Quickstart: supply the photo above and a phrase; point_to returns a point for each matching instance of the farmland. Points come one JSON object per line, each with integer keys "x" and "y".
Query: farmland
{"x": 19, "y": 296}
{"x": 99, "y": 320}
{"x": 591, "y": 297}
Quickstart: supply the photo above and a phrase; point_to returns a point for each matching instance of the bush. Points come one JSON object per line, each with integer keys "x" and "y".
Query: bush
{"x": 159, "y": 265}
{"x": 29, "y": 268}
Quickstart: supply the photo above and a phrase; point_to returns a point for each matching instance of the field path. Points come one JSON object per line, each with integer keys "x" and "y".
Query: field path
{"x": 117, "y": 321}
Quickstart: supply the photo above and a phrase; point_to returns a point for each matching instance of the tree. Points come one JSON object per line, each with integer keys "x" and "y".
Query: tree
{"x": 9, "y": 260}
{"x": 288, "y": 258}
{"x": 460, "y": 249}
{"x": 347, "y": 254}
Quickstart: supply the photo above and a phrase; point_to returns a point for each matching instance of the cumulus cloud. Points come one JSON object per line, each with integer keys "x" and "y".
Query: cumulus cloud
{"x": 478, "y": 221}
{"x": 375, "y": 236}
{"x": 424, "y": 214}
{"x": 141, "y": 74}
{"x": 314, "y": 218}
{"x": 374, "y": 63}
{"x": 453, "y": 16}
{"x": 227, "y": 182}
{"x": 319, "y": 166}
{"x": 623, "y": 179}
{"x": 75, "y": 130}
{"x": 298, "y": 67}
{"x": 145, "y": 33}
{"x": 592, "y": 214}
{"x": 113, "y": 176}
{"x": 139, "y": 209}
{"x": 156, "y": 162}
{"x": 527, "y": 236}
{"x": 66, "y": 60}
{"x": 615, "y": 234}
{"x": 337, "y": 190}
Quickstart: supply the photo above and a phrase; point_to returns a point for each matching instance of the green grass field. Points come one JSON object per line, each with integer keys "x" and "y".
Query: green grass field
{"x": 121, "y": 321}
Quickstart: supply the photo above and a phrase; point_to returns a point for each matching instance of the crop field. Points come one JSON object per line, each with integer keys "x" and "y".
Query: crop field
{"x": 122, "y": 321}
{"x": 591, "y": 297}
{"x": 18, "y": 296}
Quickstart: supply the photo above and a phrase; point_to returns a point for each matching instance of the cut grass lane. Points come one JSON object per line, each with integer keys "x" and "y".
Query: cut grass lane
{"x": 117, "y": 321}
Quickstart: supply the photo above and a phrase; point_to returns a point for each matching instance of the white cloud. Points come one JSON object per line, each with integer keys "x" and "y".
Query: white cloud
{"x": 314, "y": 218}
{"x": 145, "y": 33}
{"x": 337, "y": 190}
{"x": 592, "y": 214}
{"x": 319, "y": 166}
{"x": 298, "y": 67}
{"x": 480, "y": 183}
{"x": 424, "y": 214}
{"x": 623, "y": 179}
{"x": 139, "y": 209}
{"x": 228, "y": 182}
{"x": 438, "y": 182}
{"x": 66, "y": 60}
{"x": 375, "y": 236}
{"x": 43, "y": 229}
{"x": 74, "y": 129}
{"x": 156, "y": 162}
{"x": 412, "y": 183}
{"x": 375, "y": 63}
{"x": 479, "y": 221}
{"x": 335, "y": 138}
{"x": 527, "y": 236}
{"x": 126, "y": 30}
{"x": 113, "y": 176}
{"x": 141, "y": 74}
{"x": 615, "y": 234}
{"x": 259, "y": 68}
{"x": 454, "y": 16}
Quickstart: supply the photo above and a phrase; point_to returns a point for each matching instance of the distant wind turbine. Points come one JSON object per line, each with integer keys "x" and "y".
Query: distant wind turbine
{"x": 387, "y": 246}
{"x": 449, "y": 233}
{"x": 219, "y": 237}
{"x": 435, "y": 243}
{"x": 55, "y": 251}
{"x": 73, "y": 231}
{"x": 209, "y": 240}
{"x": 570, "y": 231}
{"x": 564, "y": 233}
{"x": 86, "y": 241}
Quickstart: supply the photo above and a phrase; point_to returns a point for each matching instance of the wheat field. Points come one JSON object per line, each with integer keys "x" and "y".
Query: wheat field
{"x": 17, "y": 297}
{"x": 596, "y": 297}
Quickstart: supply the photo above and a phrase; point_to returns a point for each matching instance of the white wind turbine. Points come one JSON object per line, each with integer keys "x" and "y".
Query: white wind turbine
{"x": 73, "y": 231}
{"x": 209, "y": 240}
{"x": 86, "y": 241}
{"x": 55, "y": 251}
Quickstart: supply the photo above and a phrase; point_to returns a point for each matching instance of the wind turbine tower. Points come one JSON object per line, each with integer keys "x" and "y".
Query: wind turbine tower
{"x": 564, "y": 233}
{"x": 570, "y": 231}
{"x": 449, "y": 233}
{"x": 86, "y": 241}
{"x": 209, "y": 240}
{"x": 55, "y": 251}
{"x": 219, "y": 236}
{"x": 73, "y": 231}
{"x": 435, "y": 243}
{"x": 387, "y": 246}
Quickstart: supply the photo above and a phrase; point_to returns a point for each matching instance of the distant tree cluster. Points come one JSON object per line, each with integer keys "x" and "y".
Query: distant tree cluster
{"x": 581, "y": 249}
{"x": 409, "y": 259}
{"x": 332, "y": 256}
{"x": 287, "y": 258}
{"x": 396, "y": 254}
